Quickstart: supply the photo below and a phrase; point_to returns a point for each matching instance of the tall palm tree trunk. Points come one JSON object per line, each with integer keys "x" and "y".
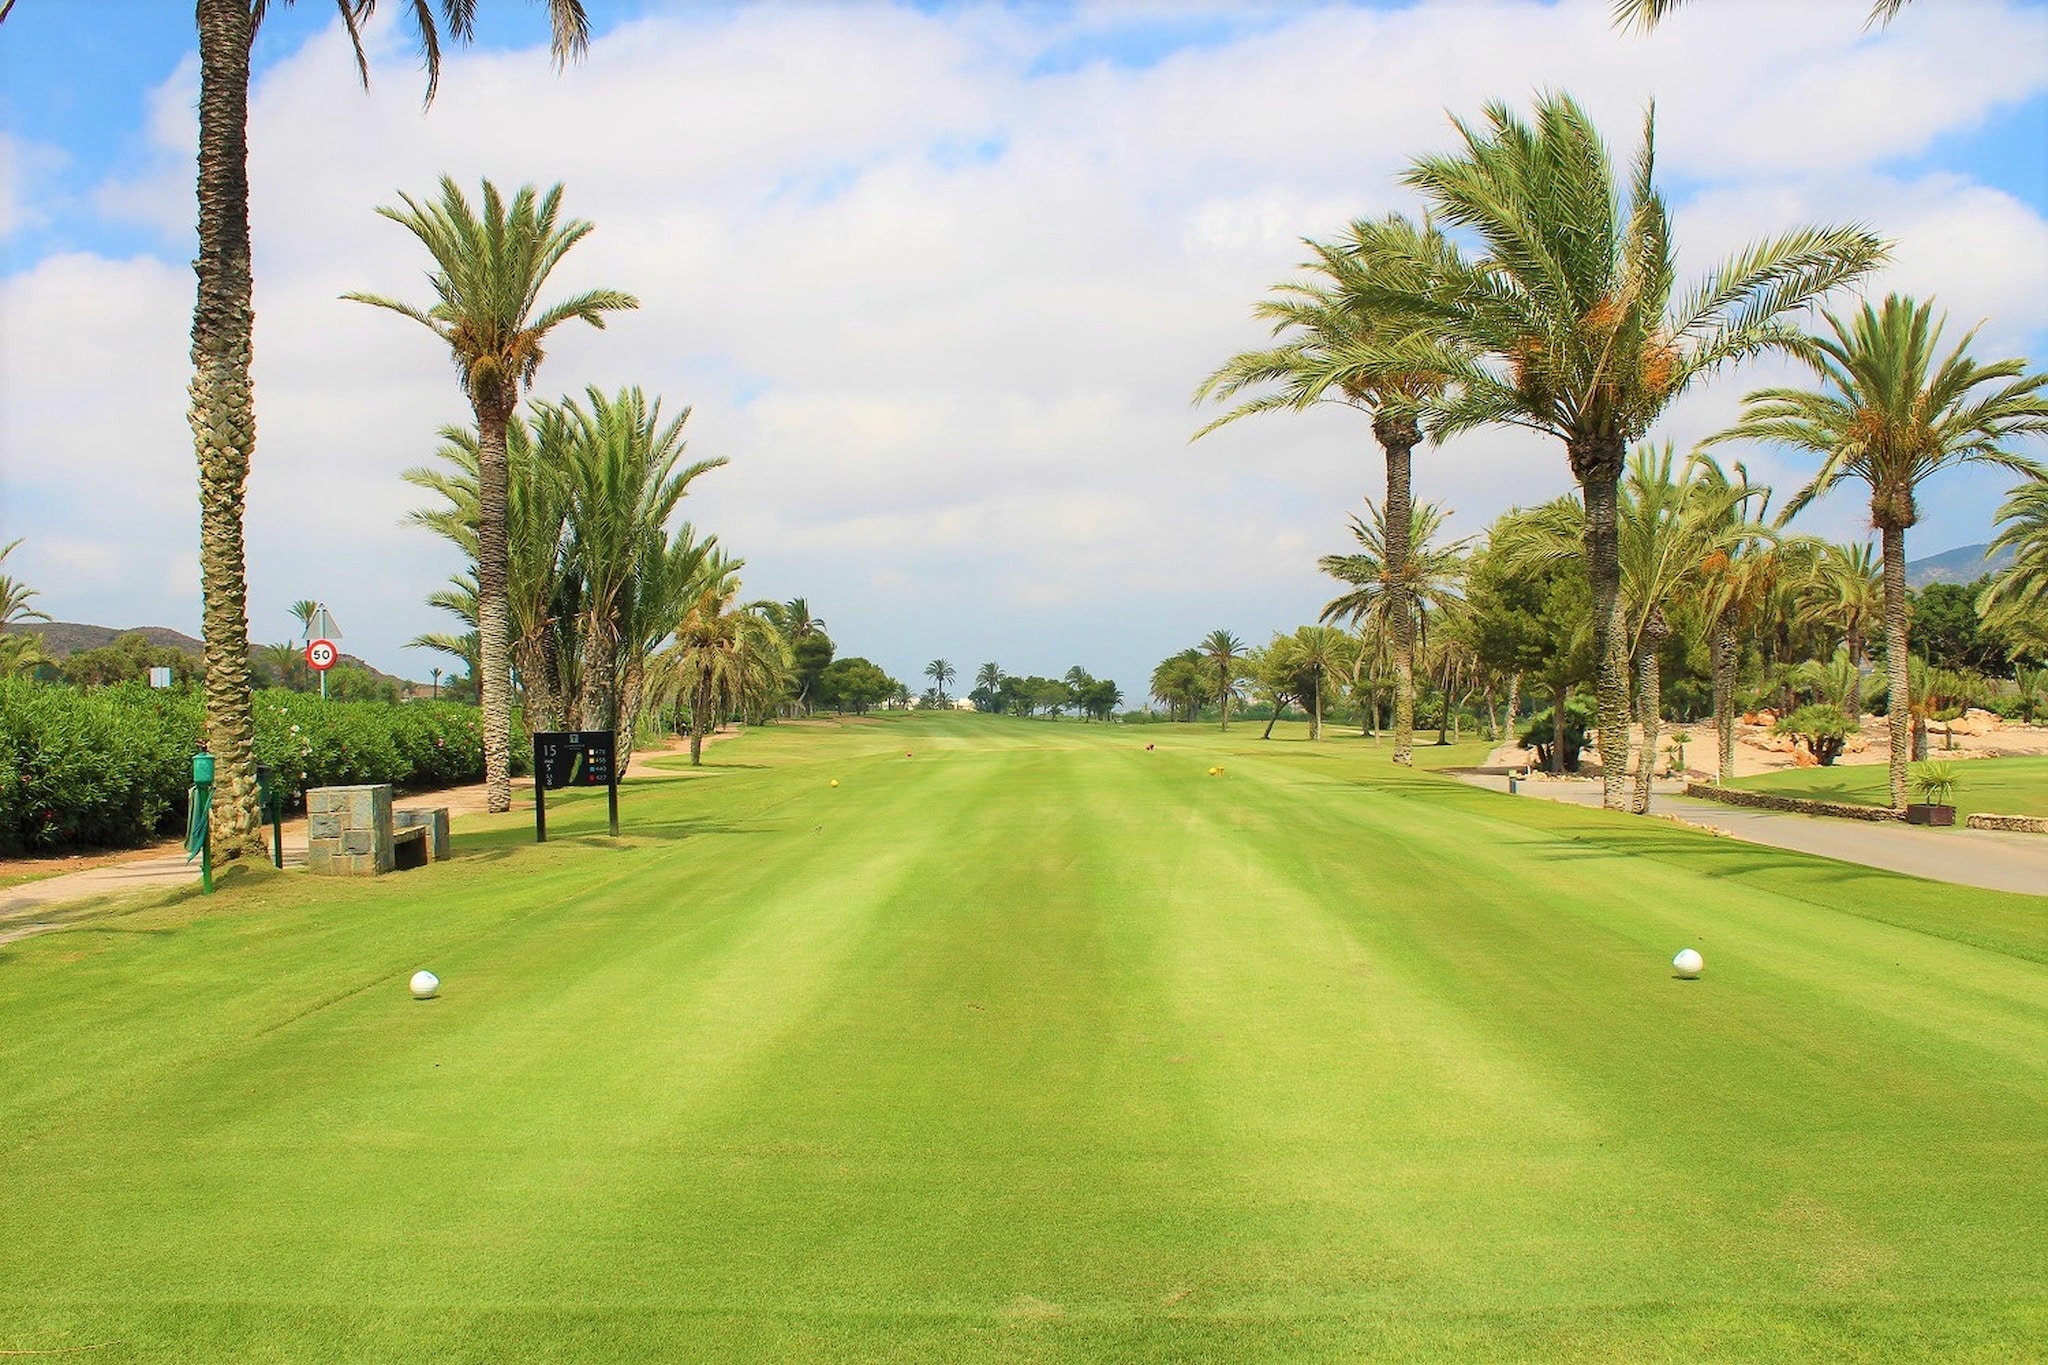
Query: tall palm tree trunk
{"x": 493, "y": 623}
{"x": 1852, "y": 688}
{"x": 1900, "y": 711}
{"x": 600, "y": 654}
{"x": 536, "y": 677}
{"x": 1514, "y": 702}
{"x": 1397, "y": 436}
{"x": 632, "y": 694}
{"x": 1724, "y": 648}
{"x": 1557, "y": 724}
{"x": 1649, "y": 707}
{"x": 223, "y": 415}
{"x": 1600, "y": 483}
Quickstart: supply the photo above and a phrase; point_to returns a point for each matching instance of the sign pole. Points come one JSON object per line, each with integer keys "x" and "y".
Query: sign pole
{"x": 613, "y": 790}
{"x": 540, "y": 808}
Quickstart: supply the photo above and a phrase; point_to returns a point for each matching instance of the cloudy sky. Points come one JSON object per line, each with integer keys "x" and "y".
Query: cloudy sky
{"x": 938, "y": 280}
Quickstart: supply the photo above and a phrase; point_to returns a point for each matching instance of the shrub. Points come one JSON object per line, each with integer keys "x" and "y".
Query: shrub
{"x": 108, "y": 766}
{"x": 1540, "y": 734}
{"x": 111, "y": 766}
{"x": 1823, "y": 726}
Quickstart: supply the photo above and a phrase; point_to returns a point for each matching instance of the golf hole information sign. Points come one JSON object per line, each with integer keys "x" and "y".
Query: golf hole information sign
{"x": 572, "y": 758}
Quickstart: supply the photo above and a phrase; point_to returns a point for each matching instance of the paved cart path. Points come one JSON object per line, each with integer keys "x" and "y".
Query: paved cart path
{"x": 1990, "y": 859}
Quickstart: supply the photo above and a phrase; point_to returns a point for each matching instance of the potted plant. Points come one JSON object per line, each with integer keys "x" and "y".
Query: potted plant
{"x": 1935, "y": 781}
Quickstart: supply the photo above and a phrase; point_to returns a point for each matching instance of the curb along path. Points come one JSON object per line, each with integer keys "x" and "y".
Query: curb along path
{"x": 1965, "y": 857}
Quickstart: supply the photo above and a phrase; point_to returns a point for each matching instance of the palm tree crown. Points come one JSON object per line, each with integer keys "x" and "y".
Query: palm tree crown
{"x": 2017, "y": 601}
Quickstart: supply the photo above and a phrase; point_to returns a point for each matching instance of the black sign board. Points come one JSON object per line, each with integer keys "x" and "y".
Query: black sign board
{"x": 571, "y": 758}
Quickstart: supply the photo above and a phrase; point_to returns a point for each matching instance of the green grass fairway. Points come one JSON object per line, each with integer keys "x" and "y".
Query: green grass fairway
{"x": 1038, "y": 1046}
{"x": 1994, "y": 786}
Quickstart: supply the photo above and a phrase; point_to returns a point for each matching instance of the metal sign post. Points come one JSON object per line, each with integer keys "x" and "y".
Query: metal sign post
{"x": 322, "y": 629}
{"x": 572, "y": 758}
{"x": 321, "y": 655}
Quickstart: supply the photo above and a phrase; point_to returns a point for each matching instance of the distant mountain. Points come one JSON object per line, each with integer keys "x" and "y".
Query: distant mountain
{"x": 62, "y": 639}
{"x": 1965, "y": 564}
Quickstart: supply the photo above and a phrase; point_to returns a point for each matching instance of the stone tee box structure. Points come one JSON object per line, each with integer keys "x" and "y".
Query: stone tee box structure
{"x": 353, "y": 832}
{"x": 348, "y": 831}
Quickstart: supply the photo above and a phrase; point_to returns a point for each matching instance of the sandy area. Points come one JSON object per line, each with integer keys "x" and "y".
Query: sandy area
{"x": 1757, "y": 750}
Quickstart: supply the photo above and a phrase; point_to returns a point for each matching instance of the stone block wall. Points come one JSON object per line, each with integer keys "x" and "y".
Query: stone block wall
{"x": 1796, "y": 805}
{"x": 348, "y": 830}
{"x": 2014, "y": 824}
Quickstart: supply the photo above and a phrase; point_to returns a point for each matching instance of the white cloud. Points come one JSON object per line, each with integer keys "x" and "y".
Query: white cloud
{"x": 944, "y": 314}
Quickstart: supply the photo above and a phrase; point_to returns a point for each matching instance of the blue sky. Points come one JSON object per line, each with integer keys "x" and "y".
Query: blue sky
{"x": 938, "y": 280}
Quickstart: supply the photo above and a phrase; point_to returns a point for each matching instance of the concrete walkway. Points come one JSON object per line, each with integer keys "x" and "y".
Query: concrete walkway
{"x": 1967, "y": 857}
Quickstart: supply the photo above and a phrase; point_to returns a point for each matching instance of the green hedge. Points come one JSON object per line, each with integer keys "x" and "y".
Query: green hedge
{"x": 110, "y": 766}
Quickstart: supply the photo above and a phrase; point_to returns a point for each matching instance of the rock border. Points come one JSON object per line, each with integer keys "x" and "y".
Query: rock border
{"x": 1796, "y": 805}
{"x": 2011, "y": 824}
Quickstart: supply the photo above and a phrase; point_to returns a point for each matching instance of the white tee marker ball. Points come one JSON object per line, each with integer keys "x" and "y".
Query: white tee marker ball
{"x": 1689, "y": 963}
{"x": 425, "y": 985}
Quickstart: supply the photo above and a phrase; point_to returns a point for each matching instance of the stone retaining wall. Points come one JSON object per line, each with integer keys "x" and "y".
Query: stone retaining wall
{"x": 1797, "y": 805}
{"x": 2015, "y": 824}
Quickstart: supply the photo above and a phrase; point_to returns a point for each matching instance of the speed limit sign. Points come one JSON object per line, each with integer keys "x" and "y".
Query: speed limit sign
{"x": 322, "y": 655}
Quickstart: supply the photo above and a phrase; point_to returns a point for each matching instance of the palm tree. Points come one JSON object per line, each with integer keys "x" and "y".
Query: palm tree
{"x": 988, "y": 677}
{"x": 1310, "y": 660}
{"x": 1395, "y": 606}
{"x": 222, "y": 412}
{"x": 1181, "y": 681}
{"x": 1572, "y": 312}
{"x": 2016, "y": 603}
{"x": 722, "y": 654}
{"x": 941, "y": 674}
{"x": 1342, "y": 346}
{"x": 542, "y": 591}
{"x": 303, "y": 612}
{"x": 15, "y": 594}
{"x": 1892, "y": 414}
{"x": 1674, "y": 529}
{"x": 1740, "y": 583}
{"x": 624, "y": 486}
{"x": 1645, "y": 15}
{"x": 793, "y": 618}
{"x": 489, "y": 272}
{"x": 1225, "y": 655}
{"x": 1842, "y": 593}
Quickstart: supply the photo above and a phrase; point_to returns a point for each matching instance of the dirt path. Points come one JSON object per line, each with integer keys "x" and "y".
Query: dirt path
{"x": 1964, "y": 857}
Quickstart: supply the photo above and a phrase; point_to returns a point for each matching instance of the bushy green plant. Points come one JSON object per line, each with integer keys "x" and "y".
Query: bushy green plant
{"x": 111, "y": 766}
{"x": 1823, "y": 725}
{"x": 1935, "y": 779}
{"x": 1540, "y": 734}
